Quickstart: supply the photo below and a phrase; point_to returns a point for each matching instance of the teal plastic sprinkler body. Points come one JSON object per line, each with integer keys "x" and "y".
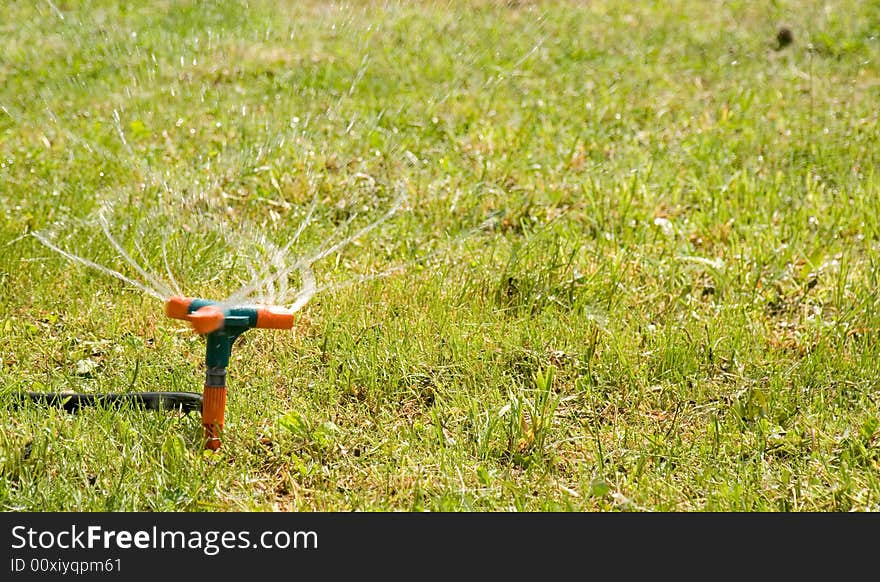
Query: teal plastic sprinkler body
{"x": 221, "y": 327}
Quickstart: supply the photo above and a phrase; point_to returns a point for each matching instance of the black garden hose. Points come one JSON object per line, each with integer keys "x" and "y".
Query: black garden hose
{"x": 183, "y": 401}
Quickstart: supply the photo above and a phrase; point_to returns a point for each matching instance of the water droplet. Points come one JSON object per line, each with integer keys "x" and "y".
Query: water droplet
{"x": 665, "y": 225}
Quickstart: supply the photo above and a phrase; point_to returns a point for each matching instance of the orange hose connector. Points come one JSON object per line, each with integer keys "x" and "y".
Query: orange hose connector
{"x": 213, "y": 411}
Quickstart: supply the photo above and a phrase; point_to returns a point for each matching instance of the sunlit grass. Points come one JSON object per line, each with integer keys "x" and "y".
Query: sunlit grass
{"x": 652, "y": 237}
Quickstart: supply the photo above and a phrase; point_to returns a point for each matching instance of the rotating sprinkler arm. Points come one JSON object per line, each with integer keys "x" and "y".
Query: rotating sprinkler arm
{"x": 221, "y": 326}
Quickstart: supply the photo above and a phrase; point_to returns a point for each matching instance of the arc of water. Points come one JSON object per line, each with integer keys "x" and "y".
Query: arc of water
{"x": 77, "y": 259}
{"x": 398, "y": 268}
{"x": 157, "y": 283}
{"x": 324, "y": 250}
{"x": 306, "y": 292}
{"x": 174, "y": 283}
{"x": 308, "y": 261}
{"x": 257, "y": 282}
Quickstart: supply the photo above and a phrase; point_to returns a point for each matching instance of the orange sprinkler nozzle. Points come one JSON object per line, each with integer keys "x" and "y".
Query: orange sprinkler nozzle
{"x": 274, "y": 318}
{"x": 178, "y": 307}
{"x": 206, "y": 319}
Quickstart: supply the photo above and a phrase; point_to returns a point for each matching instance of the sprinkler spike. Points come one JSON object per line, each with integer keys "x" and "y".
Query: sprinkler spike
{"x": 213, "y": 411}
{"x": 221, "y": 327}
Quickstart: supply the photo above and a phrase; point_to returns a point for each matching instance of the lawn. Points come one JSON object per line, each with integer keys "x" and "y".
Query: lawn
{"x": 634, "y": 265}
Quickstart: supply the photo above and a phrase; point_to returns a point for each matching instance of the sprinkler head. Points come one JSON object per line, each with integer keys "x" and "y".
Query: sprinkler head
{"x": 221, "y": 326}
{"x": 207, "y": 316}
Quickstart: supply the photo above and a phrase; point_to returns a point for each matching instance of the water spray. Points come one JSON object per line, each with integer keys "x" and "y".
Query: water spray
{"x": 221, "y": 326}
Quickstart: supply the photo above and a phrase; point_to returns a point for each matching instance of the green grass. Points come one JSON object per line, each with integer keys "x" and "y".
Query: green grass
{"x": 671, "y": 304}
